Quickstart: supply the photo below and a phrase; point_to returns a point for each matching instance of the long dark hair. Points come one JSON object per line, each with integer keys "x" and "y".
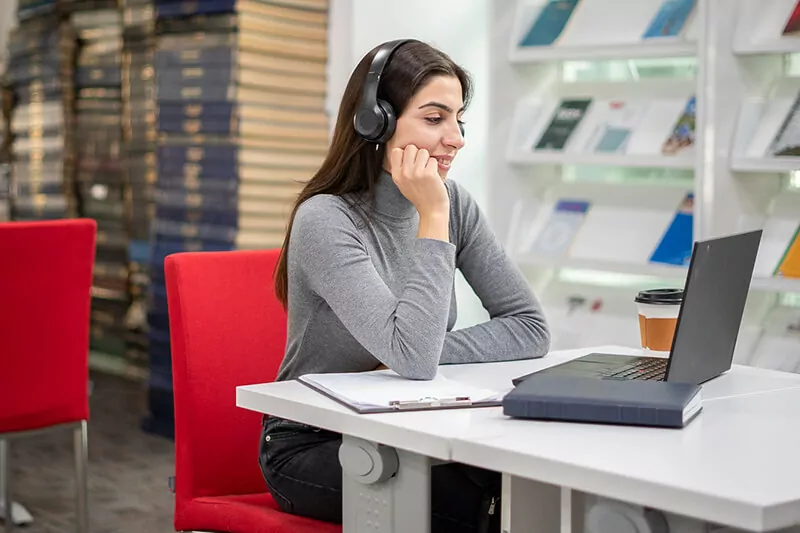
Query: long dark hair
{"x": 352, "y": 164}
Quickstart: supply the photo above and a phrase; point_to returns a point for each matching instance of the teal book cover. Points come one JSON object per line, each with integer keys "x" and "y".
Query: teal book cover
{"x": 550, "y": 23}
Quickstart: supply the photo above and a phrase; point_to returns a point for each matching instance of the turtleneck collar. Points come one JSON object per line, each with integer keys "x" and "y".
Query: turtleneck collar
{"x": 389, "y": 201}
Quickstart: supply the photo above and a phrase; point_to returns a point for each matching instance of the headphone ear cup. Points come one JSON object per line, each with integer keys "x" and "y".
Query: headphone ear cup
{"x": 368, "y": 123}
{"x": 389, "y": 121}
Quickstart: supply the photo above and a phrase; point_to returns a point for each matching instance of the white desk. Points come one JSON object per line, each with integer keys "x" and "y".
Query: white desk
{"x": 738, "y": 420}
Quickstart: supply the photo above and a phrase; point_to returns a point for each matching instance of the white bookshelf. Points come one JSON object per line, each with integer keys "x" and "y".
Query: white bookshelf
{"x": 634, "y": 269}
{"x": 594, "y": 159}
{"x": 606, "y": 51}
{"x": 731, "y": 56}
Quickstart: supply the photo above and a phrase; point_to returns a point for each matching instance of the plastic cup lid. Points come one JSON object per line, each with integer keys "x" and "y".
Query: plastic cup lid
{"x": 660, "y": 297}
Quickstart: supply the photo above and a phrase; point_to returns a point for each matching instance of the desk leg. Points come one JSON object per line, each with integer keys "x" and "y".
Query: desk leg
{"x": 534, "y": 507}
{"x": 383, "y": 489}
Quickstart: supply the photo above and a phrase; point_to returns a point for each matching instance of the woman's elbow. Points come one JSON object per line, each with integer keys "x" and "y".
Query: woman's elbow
{"x": 418, "y": 371}
{"x": 540, "y": 334}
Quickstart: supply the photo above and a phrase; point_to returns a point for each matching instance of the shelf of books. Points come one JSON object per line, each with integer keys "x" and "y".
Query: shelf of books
{"x": 240, "y": 123}
{"x": 628, "y": 132}
{"x": 569, "y": 30}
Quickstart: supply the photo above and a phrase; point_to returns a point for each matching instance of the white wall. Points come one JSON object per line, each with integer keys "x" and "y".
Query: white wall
{"x": 8, "y": 20}
{"x": 460, "y": 28}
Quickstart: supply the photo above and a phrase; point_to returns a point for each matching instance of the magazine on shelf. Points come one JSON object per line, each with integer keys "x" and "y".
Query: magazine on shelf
{"x": 675, "y": 247}
{"x": 550, "y": 22}
{"x": 787, "y": 140}
{"x": 618, "y": 234}
{"x": 670, "y": 19}
{"x": 555, "y": 237}
{"x": 567, "y": 116}
{"x": 790, "y": 263}
{"x": 616, "y": 121}
{"x": 777, "y": 237}
{"x": 682, "y": 138}
{"x": 793, "y": 22}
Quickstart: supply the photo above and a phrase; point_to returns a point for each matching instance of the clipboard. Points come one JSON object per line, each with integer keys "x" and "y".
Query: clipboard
{"x": 385, "y": 391}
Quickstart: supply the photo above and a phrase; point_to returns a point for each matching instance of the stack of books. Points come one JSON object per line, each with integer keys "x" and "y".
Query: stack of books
{"x": 98, "y": 132}
{"x": 41, "y": 54}
{"x": 5, "y": 150}
{"x": 138, "y": 155}
{"x": 241, "y": 124}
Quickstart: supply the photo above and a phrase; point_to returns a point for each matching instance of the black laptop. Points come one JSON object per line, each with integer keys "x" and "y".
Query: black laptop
{"x": 715, "y": 294}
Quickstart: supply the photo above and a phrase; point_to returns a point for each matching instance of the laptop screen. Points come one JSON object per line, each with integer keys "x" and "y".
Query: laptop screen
{"x": 715, "y": 294}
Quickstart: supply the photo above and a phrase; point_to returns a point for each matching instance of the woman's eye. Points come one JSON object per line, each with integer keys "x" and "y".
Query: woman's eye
{"x": 433, "y": 120}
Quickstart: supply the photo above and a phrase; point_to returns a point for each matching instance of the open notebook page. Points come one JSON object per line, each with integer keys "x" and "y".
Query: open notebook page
{"x": 379, "y": 388}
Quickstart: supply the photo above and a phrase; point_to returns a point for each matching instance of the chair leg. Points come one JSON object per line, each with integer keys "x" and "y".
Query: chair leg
{"x": 5, "y": 485}
{"x": 81, "y": 448}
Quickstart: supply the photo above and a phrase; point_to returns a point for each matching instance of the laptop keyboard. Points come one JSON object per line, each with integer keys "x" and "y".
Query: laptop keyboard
{"x": 649, "y": 368}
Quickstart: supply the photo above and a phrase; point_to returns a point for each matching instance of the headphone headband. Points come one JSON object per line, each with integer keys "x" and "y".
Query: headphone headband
{"x": 382, "y": 56}
{"x": 374, "y": 120}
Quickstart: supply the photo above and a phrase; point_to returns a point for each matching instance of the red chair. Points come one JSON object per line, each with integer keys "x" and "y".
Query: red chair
{"x": 226, "y": 329}
{"x": 45, "y": 298}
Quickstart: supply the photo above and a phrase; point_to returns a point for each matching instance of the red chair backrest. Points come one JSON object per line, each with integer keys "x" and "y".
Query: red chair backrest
{"x": 227, "y": 328}
{"x": 45, "y": 297}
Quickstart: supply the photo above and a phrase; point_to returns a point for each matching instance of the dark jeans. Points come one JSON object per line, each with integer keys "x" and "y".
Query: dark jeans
{"x": 302, "y": 471}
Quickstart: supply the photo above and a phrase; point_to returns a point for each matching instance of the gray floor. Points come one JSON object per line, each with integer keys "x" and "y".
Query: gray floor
{"x": 128, "y": 469}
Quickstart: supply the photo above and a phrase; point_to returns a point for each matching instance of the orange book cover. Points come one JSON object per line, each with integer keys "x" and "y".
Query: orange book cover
{"x": 790, "y": 264}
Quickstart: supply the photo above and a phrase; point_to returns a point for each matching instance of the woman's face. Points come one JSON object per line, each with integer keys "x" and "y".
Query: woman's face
{"x": 431, "y": 121}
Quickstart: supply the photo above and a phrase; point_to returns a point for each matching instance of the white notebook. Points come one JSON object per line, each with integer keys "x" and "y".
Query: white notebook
{"x": 382, "y": 391}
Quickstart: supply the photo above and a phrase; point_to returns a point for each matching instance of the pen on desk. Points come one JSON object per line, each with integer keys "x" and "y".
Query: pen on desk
{"x": 431, "y": 402}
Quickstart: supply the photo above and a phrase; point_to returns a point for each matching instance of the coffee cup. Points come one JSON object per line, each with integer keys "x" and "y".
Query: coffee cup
{"x": 658, "y": 316}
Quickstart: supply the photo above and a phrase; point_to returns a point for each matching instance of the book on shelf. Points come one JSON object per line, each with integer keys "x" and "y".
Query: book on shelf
{"x": 617, "y": 234}
{"x": 675, "y": 247}
{"x": 682, "y": 138}
{"x": 615, "y": 123}
{"x": 558, "y": 232}
{"x": 566, "y": 118}
{"x": 789, "y": 266}
{"x": 792, "y": 25}
{"x": 778, "y": 235}
{"x": 549, "y": 23}
{"x": 670, "y": 19}
{"x": 787, "y": 140}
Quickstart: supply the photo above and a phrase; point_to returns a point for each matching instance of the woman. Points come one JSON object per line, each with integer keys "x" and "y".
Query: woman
{"x": 367, "y": 274}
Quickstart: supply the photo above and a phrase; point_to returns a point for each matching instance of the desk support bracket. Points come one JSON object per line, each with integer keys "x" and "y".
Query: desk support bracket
{"x": 383, "y": 489}
{"x": 536, "y": 507}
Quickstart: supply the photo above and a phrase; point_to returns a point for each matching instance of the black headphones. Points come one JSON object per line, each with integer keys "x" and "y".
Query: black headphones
{"x": 375, "y": 120}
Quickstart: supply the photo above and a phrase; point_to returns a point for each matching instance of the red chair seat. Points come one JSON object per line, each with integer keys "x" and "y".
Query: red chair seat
{"x": 227, "y": 329}
{"x": 246, "y": 513}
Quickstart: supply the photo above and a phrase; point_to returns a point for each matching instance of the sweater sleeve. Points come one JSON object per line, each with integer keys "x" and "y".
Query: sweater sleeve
{"x": 516, "y": 328}
{"x": 404, "y": 332}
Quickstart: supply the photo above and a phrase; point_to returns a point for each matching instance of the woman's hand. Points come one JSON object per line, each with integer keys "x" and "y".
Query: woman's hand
{"x": 416, "y": 174}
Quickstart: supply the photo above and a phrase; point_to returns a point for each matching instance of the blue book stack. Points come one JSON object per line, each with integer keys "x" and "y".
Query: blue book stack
{"x": 240, "y": 120}
{"x": 100, "y": 176}
{"x": 38, "y": 78}
{"x": 138, "y": 154}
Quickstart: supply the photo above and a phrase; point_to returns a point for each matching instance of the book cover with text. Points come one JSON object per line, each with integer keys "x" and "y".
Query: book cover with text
{"x": 566, "y": 118}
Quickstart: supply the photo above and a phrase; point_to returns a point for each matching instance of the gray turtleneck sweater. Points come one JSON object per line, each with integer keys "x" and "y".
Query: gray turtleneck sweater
{"x": 365, "y": 290}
